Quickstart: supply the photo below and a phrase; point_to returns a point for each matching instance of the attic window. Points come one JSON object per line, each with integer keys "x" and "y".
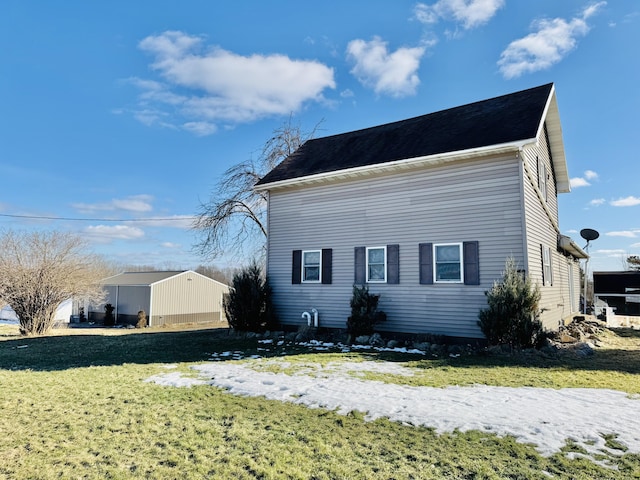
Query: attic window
{"x": 542, "y": 178}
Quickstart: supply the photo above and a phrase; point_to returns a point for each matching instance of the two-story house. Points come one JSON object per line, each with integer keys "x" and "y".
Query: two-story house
{"x": 425, "y": 211}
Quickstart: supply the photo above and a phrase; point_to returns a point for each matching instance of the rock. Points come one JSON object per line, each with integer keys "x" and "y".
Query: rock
{"x": 363, "y": 339}
{"x": 392, "y": 343}
{"x": 566, "y": 338}
{"x": 455, "y": 350}
{"x": 376, "y": 340}
{"x": 291, "y": 336}
{"x": 584, "y": 349}
{"x": 424, "y": 346}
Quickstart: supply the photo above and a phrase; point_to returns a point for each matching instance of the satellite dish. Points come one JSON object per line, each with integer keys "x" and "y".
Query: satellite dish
{"x": 589, "y": 234}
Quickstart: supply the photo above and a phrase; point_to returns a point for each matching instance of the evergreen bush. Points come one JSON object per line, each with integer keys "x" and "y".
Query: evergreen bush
{"x": 513, "y": 315}
{"x": 109, "y": 319}
{"x": 364, "y": 312}
{"x": 248, "y": 304}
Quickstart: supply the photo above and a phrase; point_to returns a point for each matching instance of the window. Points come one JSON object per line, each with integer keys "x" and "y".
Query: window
{"x": 311, "y": 266}
{"x": 547, "y": 270}
{"x": 448, "y": 262}
{"x": 467, "y": 270}
{"x": 542, "y": 178}
{"x": 376, "y": 264}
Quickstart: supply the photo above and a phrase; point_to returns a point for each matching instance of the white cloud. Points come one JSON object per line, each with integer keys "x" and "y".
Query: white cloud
{"x": 134, "y": 203}
{"x": 635, "y": 245}
{"x": 590, "y": 175}
{"x": 551, "y": 41}
{"x": 629, "y": 201}
{"x": 578, "y": 182}
{"x": 203, "y": 86}
{"x": 469, "y": 13}
{"x": 170, "y": 245}
{"x": 623, "y": 233}
{"x": 200, "y": 129}
{"x": 174, "y": 221}
{"x": 390, "y": 73}
{"x": 108, "y": 233}
{"x": 611, "y": 253}
{"x": 596, "y": 202}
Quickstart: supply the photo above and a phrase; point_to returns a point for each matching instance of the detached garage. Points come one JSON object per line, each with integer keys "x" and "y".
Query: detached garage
{"x": 168, "y": 298}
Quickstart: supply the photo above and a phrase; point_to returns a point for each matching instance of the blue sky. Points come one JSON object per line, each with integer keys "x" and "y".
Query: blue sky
{"x": 130, "y": 110}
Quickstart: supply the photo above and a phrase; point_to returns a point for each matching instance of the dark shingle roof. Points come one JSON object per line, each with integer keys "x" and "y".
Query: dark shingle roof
{"x": 499, "y": 120}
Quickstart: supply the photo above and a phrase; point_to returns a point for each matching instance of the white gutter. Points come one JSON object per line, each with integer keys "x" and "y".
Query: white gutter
{"x": 398, "y": 165}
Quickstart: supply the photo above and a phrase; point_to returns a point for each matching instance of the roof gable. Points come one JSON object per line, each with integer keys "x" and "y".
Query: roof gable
{"x": 509, "y": 120}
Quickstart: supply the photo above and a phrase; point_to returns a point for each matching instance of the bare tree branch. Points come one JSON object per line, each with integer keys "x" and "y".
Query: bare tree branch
{"x": 233, "y": 221}
{"x": 39, "y": 271}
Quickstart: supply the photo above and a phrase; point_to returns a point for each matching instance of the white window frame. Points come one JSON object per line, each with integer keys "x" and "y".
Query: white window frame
{"x": 384, "y": 250}
{"x": 304, "y": 265}
{"x": 542, "y": 178}
{"x": 547, "y": 272}
{"x": 460, "y": 261}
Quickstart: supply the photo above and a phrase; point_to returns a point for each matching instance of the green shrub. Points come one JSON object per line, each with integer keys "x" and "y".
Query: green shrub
{"x": 513, "y": 315}
{"x": 248, "y": 304}
{"x": 364, "y": 312}
{"x": 109, "y": 319}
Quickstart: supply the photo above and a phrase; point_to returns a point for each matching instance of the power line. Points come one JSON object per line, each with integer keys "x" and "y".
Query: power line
{"x": 140, "y": 220}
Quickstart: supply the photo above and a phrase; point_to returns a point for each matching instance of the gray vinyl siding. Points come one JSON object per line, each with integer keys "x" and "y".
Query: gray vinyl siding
{"x": 555, "y": 301}
{"x": 187, "y": 298}
{"x": 476, "y": 200}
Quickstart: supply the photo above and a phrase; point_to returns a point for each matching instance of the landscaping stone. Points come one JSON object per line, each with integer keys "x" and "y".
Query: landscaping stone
{"x": 363, "y": 339}
{"x": 376, "y": 340}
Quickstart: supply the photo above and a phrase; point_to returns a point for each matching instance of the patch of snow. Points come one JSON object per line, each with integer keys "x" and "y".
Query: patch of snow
{"x": 543, "y": 417}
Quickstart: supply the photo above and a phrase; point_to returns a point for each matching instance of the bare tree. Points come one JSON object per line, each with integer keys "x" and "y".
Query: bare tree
{"x": 633, "y": 263}
{"x": 40, "y": 270}
{"x": 234, "y": 217}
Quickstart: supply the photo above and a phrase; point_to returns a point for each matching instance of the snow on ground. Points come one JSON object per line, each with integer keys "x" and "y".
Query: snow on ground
{"x": 546, "y": 418}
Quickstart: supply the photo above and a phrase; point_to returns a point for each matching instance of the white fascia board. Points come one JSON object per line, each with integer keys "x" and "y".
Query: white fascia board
{"x": 398, "y": 165}
{"x": 551, "y": 116}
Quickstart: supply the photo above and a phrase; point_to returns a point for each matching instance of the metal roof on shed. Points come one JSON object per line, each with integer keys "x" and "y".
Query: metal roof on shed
{"x": 140, "y": 278}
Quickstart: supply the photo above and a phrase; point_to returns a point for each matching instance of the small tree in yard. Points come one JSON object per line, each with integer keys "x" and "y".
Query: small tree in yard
{"x": 364, "y": 312}
{"x": 513, "y": 316}
{"x": 248, "y": 304}
{"x": 142, "y": 319}
{"x": 38, "y": 271}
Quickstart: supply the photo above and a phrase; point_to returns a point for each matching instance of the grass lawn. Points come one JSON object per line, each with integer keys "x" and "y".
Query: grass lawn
{"x": 75, "y": 405}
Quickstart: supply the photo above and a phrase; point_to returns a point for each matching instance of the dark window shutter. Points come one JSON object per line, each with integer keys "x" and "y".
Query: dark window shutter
{"x": 327, "y": 265}
{"x": 360, "y": 266}
{"x": 425, "y": 253}
{"x": 296, "y": 267}
{"x": 393, "y": 264}
{"x": 544, "y": 280}
{"x": 550, "y": 267}
{"x": 471, "y": 263}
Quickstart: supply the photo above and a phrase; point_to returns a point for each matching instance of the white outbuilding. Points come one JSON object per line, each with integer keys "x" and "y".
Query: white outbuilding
{"x": 167, "y": 297}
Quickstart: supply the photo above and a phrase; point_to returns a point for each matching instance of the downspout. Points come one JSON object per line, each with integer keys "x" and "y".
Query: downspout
{"x": 523, "y": 212}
